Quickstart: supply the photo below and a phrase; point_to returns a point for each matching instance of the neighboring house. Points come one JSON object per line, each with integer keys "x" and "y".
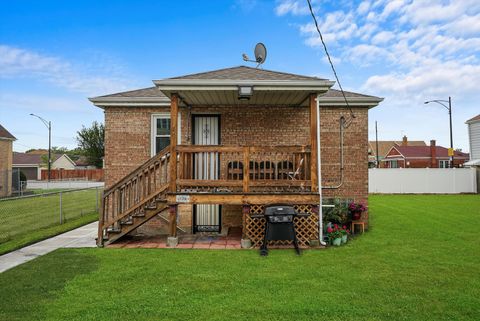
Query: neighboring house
{"x": 28, "y": 164}
{"x": 474, "y": 140}
{"x": 83, "y": 163}
{"x": 62, "y": 162}
{"x": 422, "y": 157}
{"x": 384, "y": 147}
{"x": 216, "y": 147}
{"x": 6, "y": 142}
{"x": 31, "y": 164}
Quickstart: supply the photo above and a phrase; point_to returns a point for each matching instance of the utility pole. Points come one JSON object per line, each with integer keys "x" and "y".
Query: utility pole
{"x": 48, "y": 124}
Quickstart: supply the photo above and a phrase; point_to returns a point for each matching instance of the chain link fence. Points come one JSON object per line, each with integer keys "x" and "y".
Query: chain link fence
{"x": 21, "y": 215}
{"x": 11, "y": 183}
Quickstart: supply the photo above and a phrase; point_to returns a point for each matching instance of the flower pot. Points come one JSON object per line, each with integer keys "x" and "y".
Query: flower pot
{"x": 337, "y": 241}
{"x": 344, "y": 238}
{"x": 356, "y": 216}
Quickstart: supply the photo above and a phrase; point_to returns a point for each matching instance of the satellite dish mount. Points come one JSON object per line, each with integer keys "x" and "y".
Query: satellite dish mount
{"x": 260, "y": 55}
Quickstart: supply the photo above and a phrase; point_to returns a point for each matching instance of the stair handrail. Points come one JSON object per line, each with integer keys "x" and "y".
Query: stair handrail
{"x": 163, "y": 153}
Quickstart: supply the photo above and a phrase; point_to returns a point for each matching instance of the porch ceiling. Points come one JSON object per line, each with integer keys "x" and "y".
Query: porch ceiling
{"x": 229, "y": 98}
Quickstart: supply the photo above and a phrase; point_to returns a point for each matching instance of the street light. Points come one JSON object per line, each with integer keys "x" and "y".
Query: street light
{"x": 48, "y": 124}
{"x": 449, "y": 108}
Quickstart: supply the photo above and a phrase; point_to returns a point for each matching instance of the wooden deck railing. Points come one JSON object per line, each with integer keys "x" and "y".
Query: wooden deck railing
{"x": 135, "y": 191}
{"x": 243, "y": 169}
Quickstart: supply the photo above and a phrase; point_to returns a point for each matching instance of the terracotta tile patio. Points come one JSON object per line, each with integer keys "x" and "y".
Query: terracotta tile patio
{"x": 192, "y": 241}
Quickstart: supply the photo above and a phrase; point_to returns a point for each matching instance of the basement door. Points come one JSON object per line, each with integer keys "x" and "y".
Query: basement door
{"x": 206, "y": 131}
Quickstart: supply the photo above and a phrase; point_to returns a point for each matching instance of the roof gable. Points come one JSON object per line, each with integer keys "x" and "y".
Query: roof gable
{"x": 5, "y": 134}
{"x": 245, "y": 73}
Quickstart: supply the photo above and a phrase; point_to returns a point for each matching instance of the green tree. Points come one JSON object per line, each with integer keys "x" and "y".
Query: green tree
{"x": 91, "y": 142}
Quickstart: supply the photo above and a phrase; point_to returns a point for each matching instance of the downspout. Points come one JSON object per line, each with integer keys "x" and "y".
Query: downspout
{"x": 320, "y": 208}
{"x": 342, "y": 127}
{"x": 319, "y": 168}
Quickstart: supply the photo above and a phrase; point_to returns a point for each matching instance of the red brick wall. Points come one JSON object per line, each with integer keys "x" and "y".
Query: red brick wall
{"x": 6, "y": 157}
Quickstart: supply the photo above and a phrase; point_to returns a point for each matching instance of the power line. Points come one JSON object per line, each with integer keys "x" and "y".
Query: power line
{"x": 329, "y": 59}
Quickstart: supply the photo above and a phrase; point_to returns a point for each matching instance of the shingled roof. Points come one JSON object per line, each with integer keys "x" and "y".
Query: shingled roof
{"x": 150, "y": 92}
{"x": 473, "y": 120}
{"x": 5, "y": 134}
{"x": 30, "y": 159}
{"x": 246, "y": 73}
{"x": 424, "y": 151}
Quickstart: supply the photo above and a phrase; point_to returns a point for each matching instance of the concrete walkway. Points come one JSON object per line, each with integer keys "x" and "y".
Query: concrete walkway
{"x": 81, "y": 237}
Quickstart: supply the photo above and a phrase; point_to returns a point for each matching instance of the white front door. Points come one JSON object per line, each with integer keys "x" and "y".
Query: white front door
{"x": 206, "y": 131}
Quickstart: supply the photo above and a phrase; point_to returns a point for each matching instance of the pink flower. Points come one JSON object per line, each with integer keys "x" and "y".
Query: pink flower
{"x": 344, "y": 227}
{"x": 329, "y": 230}
{"x": 335, "y": 225}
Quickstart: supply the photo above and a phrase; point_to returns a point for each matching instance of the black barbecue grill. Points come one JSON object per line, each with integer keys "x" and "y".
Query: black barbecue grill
{"x": 279, "y": 226}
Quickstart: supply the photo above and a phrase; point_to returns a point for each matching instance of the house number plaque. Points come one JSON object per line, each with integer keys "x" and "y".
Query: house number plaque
{"x": 183, "y": 198}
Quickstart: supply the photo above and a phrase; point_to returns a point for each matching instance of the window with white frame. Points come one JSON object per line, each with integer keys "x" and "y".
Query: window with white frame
{"x": 443, "y": 163}
{"x": 160, "y": 132}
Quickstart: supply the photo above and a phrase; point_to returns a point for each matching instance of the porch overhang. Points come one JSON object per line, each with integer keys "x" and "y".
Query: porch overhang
{"x": 224, "y": 92}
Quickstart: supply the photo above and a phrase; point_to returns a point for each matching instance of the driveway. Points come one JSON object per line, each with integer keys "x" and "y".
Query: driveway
{"x": 81, "y": 237}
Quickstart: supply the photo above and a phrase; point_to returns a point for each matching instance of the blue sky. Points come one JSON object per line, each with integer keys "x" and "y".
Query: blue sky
{"x": 55, "y": 54}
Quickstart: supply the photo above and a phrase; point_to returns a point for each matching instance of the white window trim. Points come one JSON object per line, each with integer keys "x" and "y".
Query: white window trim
{"x": 153, "y": 127}
{"x": 445, "y": 162}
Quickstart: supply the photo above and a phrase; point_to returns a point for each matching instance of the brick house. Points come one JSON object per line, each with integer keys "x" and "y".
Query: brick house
{"x": 241, "y": 138}
{"x": 6, "y": 142}
{"x": 384, "y": 147}
{"x": 422, "y": 157}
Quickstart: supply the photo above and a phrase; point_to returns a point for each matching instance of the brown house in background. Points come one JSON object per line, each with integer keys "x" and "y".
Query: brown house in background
{"x": 422, "y": 157}
{"x": 384, "y": 146}
{"x": 6, "y": 142}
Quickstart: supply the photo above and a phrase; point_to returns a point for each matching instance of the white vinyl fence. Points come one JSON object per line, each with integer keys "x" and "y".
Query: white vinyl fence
{"x": 422, "y": 180}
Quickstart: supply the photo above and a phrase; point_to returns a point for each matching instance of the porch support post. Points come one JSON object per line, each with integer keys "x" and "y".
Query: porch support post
{"x": 172, "y": 239}
{"x": 313, "y": 143}
{"x": 246, "y": 169}
{"x": 173, "y": 142}
{"x": 245, "y": 212}
{"x": 172, "y": 211}
{"x": 245, "y": 243}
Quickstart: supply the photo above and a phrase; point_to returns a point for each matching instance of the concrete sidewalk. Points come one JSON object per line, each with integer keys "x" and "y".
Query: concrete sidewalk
{"x": 81, "y": 237}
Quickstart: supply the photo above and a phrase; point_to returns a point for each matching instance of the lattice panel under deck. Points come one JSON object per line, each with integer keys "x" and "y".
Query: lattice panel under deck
{"x": 306, "y": 227}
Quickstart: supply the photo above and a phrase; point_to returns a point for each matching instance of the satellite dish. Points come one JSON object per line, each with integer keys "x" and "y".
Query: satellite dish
{"x": 260, "y": 54}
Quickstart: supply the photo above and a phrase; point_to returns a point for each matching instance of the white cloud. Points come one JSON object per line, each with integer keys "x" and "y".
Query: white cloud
{"x": 364, "y": 7}
{"x": 90, "y": 80}
{"x": 293, "y": 7}
{"x": 383, "y": 37}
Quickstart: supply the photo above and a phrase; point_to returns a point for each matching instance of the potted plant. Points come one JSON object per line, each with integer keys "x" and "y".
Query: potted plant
{"x": 356, "y": 210}
{"x": 345, "y": 232}
{"x": 335, "y": 235}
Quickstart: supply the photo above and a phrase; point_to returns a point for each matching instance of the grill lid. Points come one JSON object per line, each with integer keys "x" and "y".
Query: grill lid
{"x": 280, "y": 210}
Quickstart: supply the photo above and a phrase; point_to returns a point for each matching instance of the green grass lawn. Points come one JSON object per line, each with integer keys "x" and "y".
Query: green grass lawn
{"x": 22, "y": 216}
{"x": 420, "y": 261}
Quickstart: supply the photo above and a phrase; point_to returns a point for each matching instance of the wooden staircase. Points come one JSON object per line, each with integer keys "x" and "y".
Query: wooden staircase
{"x": 135, "y": 199}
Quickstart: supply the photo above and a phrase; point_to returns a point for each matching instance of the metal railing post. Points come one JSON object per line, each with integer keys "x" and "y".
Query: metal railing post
{"x": 96, "y": 198}
{"x": 61, "y": 209}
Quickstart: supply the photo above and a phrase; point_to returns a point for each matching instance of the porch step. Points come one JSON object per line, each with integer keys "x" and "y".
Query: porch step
{"x": 138, "y": 215}
{"x": 136, "y": 221}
